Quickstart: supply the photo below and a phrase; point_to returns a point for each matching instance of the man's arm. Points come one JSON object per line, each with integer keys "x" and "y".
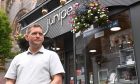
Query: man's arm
{"x": 10, "y": 81}
{"x": 57, "y": 79}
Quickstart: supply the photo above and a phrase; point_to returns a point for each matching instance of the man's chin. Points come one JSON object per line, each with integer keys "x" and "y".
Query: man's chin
{"x": 37, "y": 43}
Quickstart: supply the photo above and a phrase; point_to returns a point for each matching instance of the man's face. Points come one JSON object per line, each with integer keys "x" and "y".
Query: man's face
{"x": 35, "y": 37}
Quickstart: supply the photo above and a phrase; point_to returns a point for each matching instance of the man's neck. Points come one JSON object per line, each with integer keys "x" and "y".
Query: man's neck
{"x": 34, "y": 49}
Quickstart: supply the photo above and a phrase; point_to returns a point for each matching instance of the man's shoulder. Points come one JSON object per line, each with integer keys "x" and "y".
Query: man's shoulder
{"x": 21, "y": 54}
{"x": 49, "y": 51}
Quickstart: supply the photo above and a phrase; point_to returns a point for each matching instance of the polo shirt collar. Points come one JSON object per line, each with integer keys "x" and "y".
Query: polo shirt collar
{"x": 40, "y": 51}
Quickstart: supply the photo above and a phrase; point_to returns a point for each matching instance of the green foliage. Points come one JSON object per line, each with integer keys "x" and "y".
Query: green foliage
{"x": 5, "y": 31}
{"x": 12, "y": 55}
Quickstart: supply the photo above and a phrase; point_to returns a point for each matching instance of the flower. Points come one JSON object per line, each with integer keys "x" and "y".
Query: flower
{"x": 84, "y": 15}
{"x": 21, "y": 41}
{"x": 19, "y": 36}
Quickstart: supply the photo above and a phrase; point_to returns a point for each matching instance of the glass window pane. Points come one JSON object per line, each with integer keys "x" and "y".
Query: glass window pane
{"x": 113, "y": 51}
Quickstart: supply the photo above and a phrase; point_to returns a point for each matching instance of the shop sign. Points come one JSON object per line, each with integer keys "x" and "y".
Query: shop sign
{"x": 56, "y": 22}
{"x": 59, "y": 16}
{"x": 53, "y": 18}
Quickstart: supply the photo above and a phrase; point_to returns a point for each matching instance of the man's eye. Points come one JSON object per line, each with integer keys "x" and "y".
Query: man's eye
{"x": 35, "y": 33}
{"x": 40, "y": 34}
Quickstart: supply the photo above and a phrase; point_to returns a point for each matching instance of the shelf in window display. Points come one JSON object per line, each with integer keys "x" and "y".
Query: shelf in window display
{"x": 126, "y": 65}
{"x": 127, "y": 56}
{"x": 128, "y": 49}
{"x": 123, "y": 81}
{"x": 126, "y": 74}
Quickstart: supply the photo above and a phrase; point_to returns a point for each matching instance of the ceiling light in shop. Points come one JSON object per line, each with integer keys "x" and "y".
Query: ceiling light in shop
{"x": 115, "y": 28}
{"x": 128, "y": 42}
{"x": 62, "y": 2}
{"x": 92, "y": 51}
{"x": 56, "y": 48}
{"x": 44, "y": 11}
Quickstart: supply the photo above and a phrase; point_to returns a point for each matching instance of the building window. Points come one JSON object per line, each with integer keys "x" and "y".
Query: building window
{"x": 114, "y": 51}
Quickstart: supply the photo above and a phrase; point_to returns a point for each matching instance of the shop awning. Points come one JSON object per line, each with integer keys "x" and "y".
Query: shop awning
{"x": 61, "y": 25}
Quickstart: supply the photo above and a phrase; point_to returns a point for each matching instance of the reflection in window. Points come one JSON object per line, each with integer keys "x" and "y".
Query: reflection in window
{"x": 114, "y": 51}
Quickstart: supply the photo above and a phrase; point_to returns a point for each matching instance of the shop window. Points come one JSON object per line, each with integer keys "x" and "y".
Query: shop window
{"x": 114, "y": 52}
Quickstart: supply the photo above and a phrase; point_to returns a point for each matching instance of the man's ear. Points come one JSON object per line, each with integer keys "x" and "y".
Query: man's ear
{"x": 26, "y": 37}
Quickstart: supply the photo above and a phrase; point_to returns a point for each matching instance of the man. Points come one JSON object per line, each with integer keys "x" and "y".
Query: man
{"x": 36, "y": 65}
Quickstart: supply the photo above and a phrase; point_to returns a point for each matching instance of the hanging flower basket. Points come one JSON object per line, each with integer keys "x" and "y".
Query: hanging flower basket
{"x": 84, "y": 15}
{"x": 21, "y": 41}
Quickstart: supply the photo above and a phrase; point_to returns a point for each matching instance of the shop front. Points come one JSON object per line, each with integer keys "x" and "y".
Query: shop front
{"x": 102, "y": 55}
{"x": 111, "y": 52}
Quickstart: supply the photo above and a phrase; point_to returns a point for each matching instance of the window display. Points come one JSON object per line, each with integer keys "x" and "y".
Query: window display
{"x": 114, "y": 53}
{"x": 126, "y": 70}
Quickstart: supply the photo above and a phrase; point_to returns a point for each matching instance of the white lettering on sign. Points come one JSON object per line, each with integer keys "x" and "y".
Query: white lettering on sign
{"x": 59, "y": 17}
{"x": 99, "y": 34}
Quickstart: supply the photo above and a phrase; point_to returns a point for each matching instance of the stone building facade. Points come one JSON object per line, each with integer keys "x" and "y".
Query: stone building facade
{"x": 16, "y": 9}
{"x": 3, "y": 4}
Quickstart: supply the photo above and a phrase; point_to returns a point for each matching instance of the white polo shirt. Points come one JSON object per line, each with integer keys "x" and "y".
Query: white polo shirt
{"x": 37, "y": 68}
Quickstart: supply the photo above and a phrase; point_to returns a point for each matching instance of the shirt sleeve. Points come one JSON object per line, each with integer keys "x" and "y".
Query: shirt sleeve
{"x": 55, "y": 65}
{"x": 11, "y": 72}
